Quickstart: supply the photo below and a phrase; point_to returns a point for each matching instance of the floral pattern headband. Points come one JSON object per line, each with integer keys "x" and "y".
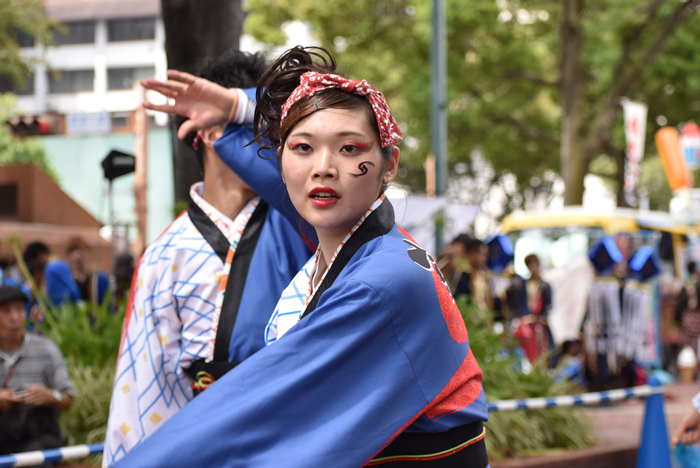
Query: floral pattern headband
{"x": 312, "y": 82}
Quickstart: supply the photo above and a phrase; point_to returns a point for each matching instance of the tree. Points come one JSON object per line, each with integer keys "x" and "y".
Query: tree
{"x": 533, "y": 86}
{"x": 21, "y": 17}
{"x": 592, "y": 82}
{"x": 194, "y": 31}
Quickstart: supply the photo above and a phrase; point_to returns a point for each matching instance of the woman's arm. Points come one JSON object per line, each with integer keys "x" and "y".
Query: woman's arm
{"x": 260, "y": 171}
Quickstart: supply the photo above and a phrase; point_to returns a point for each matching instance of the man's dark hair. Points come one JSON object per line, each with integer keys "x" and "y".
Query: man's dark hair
{"x": 469, "y": 243}
{"x": 531, "y": 258}
{"x": 33, "y": 250}
{"x": 473, "y": 244}
{"x": 462, "y": 239}
{"x": 233, "y": 69}
{"x": 691, "y": 267}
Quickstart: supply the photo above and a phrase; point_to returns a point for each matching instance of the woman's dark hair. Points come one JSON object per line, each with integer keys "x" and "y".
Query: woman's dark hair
{"x": 281, "y": 79}
{"x": 233, "y": 69}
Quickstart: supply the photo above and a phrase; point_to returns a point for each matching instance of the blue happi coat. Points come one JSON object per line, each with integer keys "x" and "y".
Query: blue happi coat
{"x": 380, "y": 349}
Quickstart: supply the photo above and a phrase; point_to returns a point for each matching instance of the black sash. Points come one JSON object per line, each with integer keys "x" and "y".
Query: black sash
{"x": 234, "y": 286}
{"x": 377, "y": 224}
{"x": 460, "y": 447}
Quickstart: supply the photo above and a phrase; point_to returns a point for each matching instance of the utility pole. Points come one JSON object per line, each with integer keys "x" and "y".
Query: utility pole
{"x": 141, "y": 179}
{"x": 438, "y": 105}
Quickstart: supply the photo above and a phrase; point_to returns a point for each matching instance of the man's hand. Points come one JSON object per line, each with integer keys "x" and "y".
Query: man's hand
{"x": 38, "y": 395}
{"x": 8, "y": 399}
{"x": 688, "y": 431}
{"x": 206, "y": 104}
{"x": 36, "y": 313}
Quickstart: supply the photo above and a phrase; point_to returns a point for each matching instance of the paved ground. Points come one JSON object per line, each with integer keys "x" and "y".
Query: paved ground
{"x": 618, "y": 430}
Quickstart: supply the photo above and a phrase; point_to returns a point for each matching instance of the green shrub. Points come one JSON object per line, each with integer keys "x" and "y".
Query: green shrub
{"x": 519, "y": 433}
{"x": 86, "y": 333}
{"x": 86, "y": 421}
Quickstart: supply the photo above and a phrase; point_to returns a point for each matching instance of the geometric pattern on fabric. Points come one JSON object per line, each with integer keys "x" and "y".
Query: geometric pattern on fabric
{"x": 460, "y": 392}
{"x": 175, "y": 305}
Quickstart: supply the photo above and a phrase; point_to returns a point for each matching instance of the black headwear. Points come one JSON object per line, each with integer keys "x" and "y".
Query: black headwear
{"x": 11, "y": 293}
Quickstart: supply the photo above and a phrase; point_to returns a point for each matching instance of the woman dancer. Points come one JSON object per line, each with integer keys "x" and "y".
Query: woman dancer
{"x": 367, "y": 360}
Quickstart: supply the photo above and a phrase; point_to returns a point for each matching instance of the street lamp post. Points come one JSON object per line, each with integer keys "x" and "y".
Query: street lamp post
{"x": 438, "y": 105}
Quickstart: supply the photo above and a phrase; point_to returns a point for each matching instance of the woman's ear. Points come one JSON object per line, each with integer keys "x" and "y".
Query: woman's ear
{"x": 392, "y": 166}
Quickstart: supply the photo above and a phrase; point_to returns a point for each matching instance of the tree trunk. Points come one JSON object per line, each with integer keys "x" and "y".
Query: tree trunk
{"x": 574, "y": 160}
{"x": 196, "y": 30}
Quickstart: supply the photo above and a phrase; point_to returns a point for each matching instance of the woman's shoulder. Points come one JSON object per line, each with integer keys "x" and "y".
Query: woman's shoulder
{"x": 394, "y": 262}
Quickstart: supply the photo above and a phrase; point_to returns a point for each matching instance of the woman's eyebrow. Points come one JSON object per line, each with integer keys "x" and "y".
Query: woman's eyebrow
{"x": 345, "y": 133}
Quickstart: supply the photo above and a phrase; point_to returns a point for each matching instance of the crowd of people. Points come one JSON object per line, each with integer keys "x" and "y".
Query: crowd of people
{"x": 512, "y": 299}
{"x": 34, "y": 382}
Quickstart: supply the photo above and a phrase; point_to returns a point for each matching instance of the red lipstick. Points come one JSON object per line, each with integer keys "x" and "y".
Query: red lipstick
{"x": 323, "y": 197}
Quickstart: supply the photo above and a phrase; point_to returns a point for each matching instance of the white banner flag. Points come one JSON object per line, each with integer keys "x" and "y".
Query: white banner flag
{"x": 635, "y": 132}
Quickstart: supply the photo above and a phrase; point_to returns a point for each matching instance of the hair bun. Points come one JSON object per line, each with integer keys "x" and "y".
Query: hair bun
{"x": 278, "y": 82}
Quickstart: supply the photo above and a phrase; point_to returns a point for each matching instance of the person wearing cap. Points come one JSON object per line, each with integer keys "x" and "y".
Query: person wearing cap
{"x": 34, "y": 382}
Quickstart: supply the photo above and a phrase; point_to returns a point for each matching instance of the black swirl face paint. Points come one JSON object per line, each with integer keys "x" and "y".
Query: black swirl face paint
{"x": 363, "y": 169}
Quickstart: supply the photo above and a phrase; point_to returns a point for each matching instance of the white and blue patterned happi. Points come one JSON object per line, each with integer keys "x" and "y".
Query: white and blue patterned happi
{"x": 176, "y": 303}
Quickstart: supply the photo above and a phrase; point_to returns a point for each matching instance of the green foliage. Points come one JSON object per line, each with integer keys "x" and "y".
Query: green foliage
{"x": 655, "y": 183}
{"x": 86, "y": 421}
{"x": 89, "y": 338}
{"x": 519, "y": 433}
{"x": 20, "y": 150}
{"x": 504, "y": 96}
{"x": 88, "y": 334}
{"x": 21, "y": 16}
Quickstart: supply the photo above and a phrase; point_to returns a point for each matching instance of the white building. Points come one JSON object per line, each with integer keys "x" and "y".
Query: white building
{"x": 107, "y": 46}
{"x": 81, "y": 98}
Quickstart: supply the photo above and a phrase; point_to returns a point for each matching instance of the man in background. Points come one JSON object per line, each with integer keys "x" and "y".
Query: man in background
{"x": 52, "y": 277}
{"x": 92, "y": 285}
{"x": 34, "y": 383}
{"x": 203, "y": 292}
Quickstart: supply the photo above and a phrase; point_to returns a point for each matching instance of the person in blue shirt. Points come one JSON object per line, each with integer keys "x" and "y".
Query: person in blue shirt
{"x": 92, "y": 285}
{"x": 53, "y": 277}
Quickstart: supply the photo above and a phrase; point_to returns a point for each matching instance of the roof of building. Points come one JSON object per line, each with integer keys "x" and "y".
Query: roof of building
{"x": 76, "y": 10}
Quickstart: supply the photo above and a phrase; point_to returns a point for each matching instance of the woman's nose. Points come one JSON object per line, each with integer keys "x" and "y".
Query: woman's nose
{"x": 324, "y": 167}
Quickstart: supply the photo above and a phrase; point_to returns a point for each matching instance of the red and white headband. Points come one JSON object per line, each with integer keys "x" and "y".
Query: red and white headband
{"x": 312, "y": 82}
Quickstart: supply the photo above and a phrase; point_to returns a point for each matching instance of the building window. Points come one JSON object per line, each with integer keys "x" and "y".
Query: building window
{"x": 120, "y": 121}
{"x": 77, "y": 32}
{"x": 132, "y": 29}
{"x": 8, "y": 201}
{"x": 24, "y": 39}
{"x": 72, "y": 81}
{"x": 7, "y": 85}
{"x": 124, "y": 78}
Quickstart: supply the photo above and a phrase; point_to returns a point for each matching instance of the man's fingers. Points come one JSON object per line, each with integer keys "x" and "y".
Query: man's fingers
{"x": 181, "y": 76}
{"x": 167, "y": 88}
{"x": 187, "y": 127}
{"x": 690, "y": 437}
{"x": 675, "y": 439}
{"x": 167, "y": 108}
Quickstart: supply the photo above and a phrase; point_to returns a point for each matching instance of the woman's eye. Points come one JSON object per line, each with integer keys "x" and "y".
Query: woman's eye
{"x": 349, "y": 149}
{"x": 301, "y": 147}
